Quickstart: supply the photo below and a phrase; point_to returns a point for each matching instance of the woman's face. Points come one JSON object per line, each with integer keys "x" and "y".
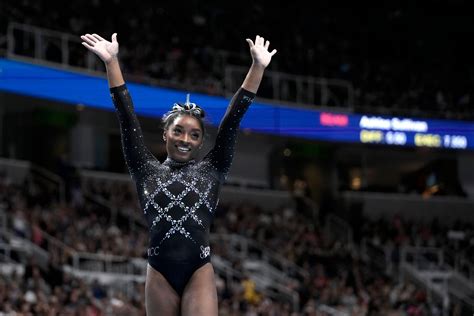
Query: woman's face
{"x": 183, "y": 138}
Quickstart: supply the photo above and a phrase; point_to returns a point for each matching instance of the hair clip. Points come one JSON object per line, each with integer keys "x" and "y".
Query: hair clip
{"x": 188, "y": 107}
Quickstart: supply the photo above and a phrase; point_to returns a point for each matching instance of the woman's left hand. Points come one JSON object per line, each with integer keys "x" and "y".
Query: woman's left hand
{"x": 259, "y": 51}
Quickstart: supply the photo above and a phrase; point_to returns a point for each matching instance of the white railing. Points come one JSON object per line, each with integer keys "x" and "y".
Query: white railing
{"x": 435, "y": 292}
{"x": 274, "y": 290}
{"x": 109, "y": 268}
{"x": 19, "y": 170}
{"x": 245, "y": 249}
{"x": 297, "y": 89}
{"x": 428, "y": 266}
{"x": 15, "y": 170}
{"x": 23, "y": 248}
{"x": 106, "y": 263}
{"x": 457, "y": 260}
{"x": 239, "y": 190}
{"x": 330, "y": 310}
{"x": 424, "y": 258}
{"x": 31, "y": 42}
{"x": 8, "y": 265}
{"x": 112, "y": 269}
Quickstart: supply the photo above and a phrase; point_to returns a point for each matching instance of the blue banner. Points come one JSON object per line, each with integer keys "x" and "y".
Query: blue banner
{"x": 78, "y": 88}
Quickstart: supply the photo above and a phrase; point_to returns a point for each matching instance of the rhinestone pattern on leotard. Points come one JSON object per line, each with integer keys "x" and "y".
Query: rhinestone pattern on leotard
{"x": 178, "y": 199}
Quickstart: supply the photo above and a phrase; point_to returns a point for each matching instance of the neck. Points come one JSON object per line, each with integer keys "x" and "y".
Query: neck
{"x": 174, "y": 162}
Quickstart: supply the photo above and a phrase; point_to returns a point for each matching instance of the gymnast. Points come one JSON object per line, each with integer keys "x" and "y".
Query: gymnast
{"x": 179, "y": 196}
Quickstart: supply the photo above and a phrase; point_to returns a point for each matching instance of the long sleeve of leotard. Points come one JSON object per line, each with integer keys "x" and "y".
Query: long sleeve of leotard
{"x": 222, "y": 153}
{"x": 135, "y": 152}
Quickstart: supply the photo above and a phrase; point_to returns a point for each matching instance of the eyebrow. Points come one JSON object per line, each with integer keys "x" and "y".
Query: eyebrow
{"x": 194, "y": 129}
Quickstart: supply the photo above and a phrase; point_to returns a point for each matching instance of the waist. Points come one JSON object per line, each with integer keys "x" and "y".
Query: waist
{"x": 180, "y": 248}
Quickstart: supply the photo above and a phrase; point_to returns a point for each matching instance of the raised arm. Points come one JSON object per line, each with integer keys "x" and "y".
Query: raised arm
{"x": 108, "y": 53}
{"x": 261, "y": 58}
{"x": 222, "y": 153}
{"x": 135, "y": 152}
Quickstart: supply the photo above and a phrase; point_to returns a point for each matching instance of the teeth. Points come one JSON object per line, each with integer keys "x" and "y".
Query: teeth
{"x": 183, "y": 149}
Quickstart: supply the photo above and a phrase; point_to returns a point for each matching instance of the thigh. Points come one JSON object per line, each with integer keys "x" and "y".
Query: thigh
{"x": 160, "y": 297}
{"x": 200, "y": 294}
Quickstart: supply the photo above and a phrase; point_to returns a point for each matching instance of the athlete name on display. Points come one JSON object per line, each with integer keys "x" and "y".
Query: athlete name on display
{"x": 406, "y": 131}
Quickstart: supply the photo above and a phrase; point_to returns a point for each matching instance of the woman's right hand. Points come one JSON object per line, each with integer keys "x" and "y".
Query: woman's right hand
{"x": 107, "y": 51}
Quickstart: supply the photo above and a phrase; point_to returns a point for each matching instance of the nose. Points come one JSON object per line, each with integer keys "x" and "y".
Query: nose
{"x": 185, "y": 138}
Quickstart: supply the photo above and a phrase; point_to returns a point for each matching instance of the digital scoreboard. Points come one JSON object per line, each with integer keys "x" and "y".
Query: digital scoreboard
{"x": 415, "y": 132}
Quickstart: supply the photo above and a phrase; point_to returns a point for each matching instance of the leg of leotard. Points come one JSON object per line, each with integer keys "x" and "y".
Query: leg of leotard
{"x": 160, "y": 297}
{"x": 200, "y": 295}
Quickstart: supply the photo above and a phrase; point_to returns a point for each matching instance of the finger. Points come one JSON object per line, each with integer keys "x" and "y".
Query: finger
{"x": 273, "y": 52}
{"x": 267, "y": 44}
{"x": 98, "y": 37}
{"x": 91, "y": 48}
{"x": 91, "y": 38}
{"x": 251, "y": 44}
{"x": 262, "y": 41}
{"x": 87, "y": 40}
{"x": 114, "y": 37}
{"x": 256, "y": 39}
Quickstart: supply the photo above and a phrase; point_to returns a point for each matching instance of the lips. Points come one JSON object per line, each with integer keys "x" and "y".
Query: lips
{"x": 183, "y": 149}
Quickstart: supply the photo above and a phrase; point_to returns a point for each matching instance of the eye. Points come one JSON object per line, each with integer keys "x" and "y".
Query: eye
{"x": 195, "y": 135}
{"x": 176, "y": 131}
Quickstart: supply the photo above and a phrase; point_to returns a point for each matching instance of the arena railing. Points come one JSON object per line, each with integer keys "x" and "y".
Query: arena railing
{"x": 19, "y": 171}
{"x": 27, "y": 42}
{"x": 330, "y": 310}
{"x": 434, "y": 292}
{"x": 120, "y": 270}
{"x": 108, "y": 268}
{"x": 102, "y": 266}
{"x": 273, "y": 290}
{"x": 82, "y": 263}
{"x": 9, "y": 265}
{"x": 245, "y": 249}
{"x": 237, "y": 191}
{"x": 427, "y": 266}
{"x": 15, "y": 170}
{"x": 296, "y": 90}
{"x": 22, "y": 248}
{"x": 456, "y": 259}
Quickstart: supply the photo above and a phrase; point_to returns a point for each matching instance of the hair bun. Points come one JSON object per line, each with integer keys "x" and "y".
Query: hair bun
{"x": 188, "y": 108}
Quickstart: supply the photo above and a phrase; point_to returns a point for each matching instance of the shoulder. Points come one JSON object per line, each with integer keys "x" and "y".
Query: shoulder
{"x": 205, "y": 166}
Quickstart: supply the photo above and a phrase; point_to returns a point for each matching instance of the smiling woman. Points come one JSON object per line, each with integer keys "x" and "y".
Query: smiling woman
{"x": 180, "y": 195}
{"x": 183, "y": 138}
{"x": 184, "y": 131}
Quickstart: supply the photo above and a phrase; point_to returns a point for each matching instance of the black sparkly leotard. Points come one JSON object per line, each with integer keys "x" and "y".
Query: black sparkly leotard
{"x": 178, "y": 199}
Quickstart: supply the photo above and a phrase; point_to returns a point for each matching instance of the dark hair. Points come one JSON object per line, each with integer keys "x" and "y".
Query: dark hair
{"x": 180, "y": 109}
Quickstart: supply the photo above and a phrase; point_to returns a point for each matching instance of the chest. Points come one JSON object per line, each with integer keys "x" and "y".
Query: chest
{"x": 186, "y": 188}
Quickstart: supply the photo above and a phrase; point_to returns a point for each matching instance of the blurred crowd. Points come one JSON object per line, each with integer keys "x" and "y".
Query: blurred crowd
{"x": 337, "y": 275}
{"x": 401, "y": 59}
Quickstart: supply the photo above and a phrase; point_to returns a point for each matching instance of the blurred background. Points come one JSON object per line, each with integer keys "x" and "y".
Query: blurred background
{"x": 352, "y": 186}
